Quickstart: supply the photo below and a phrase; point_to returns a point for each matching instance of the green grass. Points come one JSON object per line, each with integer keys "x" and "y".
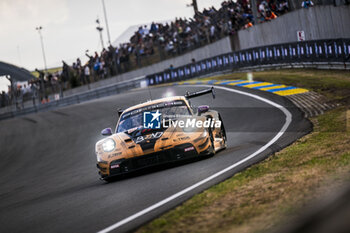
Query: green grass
{"x": 266, "y": 194}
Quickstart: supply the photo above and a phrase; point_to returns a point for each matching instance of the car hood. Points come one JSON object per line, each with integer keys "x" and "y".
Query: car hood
{"x": 140, "y": 141}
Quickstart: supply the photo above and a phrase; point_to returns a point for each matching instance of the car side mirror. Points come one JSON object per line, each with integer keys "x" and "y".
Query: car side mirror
{"x": 106, "y": 132}
{"x": 202, "y": 109}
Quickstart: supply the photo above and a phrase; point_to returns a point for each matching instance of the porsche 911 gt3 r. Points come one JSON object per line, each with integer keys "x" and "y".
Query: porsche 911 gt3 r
{"x": 157, "y": 132}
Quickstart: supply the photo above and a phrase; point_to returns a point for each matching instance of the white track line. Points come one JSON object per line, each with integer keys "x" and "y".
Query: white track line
{"x": 176, "y": 195}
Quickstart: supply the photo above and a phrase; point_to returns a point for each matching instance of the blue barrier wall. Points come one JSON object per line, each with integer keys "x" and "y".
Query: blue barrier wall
{"x": 334, "y": 51}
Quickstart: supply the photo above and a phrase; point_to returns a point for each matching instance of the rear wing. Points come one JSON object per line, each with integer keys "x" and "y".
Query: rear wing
{"x": 187, "y": 96}
{"x": 199, "y": 93}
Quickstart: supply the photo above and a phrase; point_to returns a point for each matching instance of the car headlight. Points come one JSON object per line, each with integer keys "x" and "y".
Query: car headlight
{"x": 108, "y": 145}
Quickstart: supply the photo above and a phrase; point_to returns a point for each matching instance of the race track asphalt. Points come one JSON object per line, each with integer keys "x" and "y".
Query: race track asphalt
{"x": 48, "y": 175}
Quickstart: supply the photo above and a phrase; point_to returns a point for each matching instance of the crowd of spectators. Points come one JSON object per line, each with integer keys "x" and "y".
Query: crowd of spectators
{"x": 37, "y": 91}
{"x": 153, "y": 42}
{"x": 205, "y": 27}
{"x": 158, "y": 41}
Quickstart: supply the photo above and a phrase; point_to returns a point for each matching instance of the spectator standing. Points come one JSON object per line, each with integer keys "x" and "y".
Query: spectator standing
{"x": 96, "y": 70}
{"x": 212, "y": 33}
{"x": 282, "y": 6}
{"x": 2, "y": 98}
{"x": 154, "y": 28}
{"x": 54, "y": 83}
{"x": 145, "y": 30}
{"x": 5, "y": 99}
{"x": 25, "y": 89}
{"x": 306, "y": 4}
{"x": 262, "y": 8}
{"x": 34, "y": 91}
{"x": 64, "y": 76}
{"x": 78, "y": 63}
{"x": 87, "y": 73}
{"x": 19, "y": 97}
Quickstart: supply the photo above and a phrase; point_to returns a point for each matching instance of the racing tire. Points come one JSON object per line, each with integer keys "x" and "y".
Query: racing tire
{"x": 211, "y": 136}
{"x": 223, "y": 132}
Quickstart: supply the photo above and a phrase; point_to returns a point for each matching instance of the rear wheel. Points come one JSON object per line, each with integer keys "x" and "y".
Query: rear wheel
{"x": 223, "y": 133}
{"x": 211, "y": 137}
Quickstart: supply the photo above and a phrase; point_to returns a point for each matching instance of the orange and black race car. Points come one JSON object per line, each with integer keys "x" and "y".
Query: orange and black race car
{"x": 160, "y": 131}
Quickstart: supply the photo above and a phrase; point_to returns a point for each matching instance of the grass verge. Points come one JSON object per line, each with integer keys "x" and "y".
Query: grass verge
{"x": 260, "y": 197}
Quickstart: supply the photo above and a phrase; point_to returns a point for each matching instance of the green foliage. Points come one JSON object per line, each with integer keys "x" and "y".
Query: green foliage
{"x": 312, "y": 160}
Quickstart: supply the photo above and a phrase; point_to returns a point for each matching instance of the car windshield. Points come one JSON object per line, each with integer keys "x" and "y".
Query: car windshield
{"x": 169, "y": 110}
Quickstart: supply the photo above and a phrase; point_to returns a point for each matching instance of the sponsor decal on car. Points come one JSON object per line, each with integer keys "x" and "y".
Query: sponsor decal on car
{"x": 189, "y": 148}
{"x": 192, "y": 123}
{"x": 155, "y": 135}
{"x": 115, "y": 166}
{"x": 113, "y": 155}
{"x": 152, "y": 120}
